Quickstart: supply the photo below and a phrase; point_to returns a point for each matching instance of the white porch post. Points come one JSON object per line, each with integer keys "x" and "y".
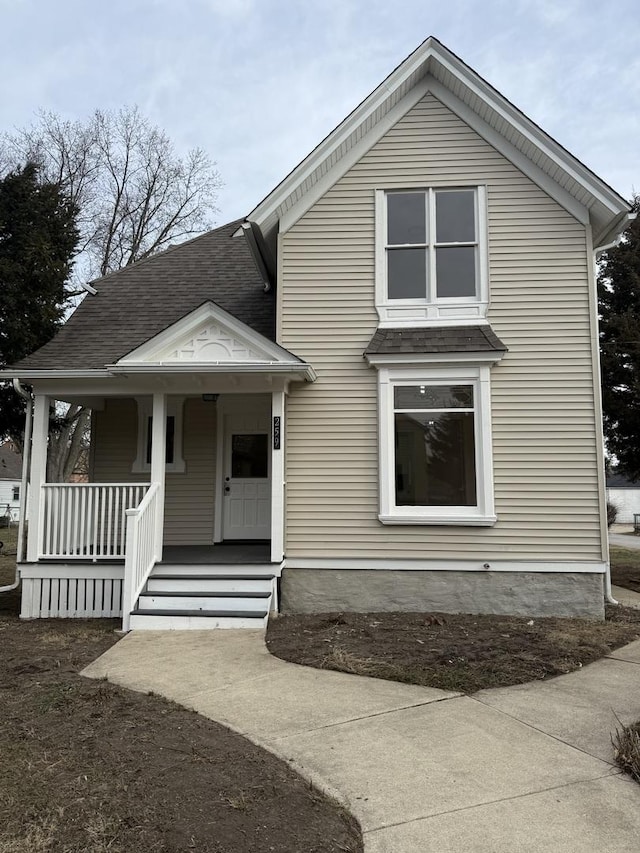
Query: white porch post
{"x": 277, "y": 474}
{"x": 38, "y": 475}
{"x": 158, "y": 451}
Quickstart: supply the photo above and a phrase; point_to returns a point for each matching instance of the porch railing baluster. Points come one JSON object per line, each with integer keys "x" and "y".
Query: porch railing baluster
{"x": 87, "y": 520}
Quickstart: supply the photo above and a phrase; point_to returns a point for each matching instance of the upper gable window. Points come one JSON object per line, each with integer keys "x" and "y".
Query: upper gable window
{"x": 431, "y": 254}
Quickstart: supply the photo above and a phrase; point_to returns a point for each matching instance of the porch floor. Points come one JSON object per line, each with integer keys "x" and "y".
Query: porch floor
{"x": 222, "y": 553}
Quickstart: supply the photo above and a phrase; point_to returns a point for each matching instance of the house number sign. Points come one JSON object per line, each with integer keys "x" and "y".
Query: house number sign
{"x": 276, "y": 432}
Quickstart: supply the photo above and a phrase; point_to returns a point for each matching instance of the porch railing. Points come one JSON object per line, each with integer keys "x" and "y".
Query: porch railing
{"x": 141, "y": 553}
{"x": 83, "y": 521}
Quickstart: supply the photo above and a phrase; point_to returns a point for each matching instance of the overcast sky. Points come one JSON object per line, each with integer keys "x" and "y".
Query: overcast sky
{"x": 258, "y": 83}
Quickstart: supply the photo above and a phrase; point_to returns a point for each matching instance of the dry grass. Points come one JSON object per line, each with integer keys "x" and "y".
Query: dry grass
{"x": 626, "y": 745}
{"x": 625, "y": 567}
{"x": 9, "y": 538}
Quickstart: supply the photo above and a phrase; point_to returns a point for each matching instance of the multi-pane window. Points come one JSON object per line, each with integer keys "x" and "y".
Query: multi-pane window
{"x": 434, "y": 443}
{"x": 432, "y": 245}
{"x": 16, "y": 493}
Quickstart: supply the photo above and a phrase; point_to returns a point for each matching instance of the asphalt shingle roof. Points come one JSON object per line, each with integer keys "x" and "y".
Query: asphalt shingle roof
{"x": 434, "y": 340}
{"x": 140, "y": 301}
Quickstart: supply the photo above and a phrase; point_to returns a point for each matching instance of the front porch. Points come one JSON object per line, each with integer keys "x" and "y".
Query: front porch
{"x": 93, "y": 548}
{"x": 187, "y": 451}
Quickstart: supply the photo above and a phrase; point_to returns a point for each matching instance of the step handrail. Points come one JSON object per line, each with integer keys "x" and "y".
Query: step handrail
{"x": 140, "y": 555}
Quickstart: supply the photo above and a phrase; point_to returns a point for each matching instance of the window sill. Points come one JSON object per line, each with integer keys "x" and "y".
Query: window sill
{"x": 451, "y": 519}
{"x": 401, "y": 312}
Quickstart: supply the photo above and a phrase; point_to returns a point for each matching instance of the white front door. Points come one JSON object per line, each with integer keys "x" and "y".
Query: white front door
{"x": 246, "y": 491}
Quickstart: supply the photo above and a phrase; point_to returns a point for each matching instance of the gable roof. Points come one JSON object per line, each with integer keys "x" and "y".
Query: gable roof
{"x": 10, "y": 463}
{"x": 434, "y": 68}
{"x": 141, "y": 300}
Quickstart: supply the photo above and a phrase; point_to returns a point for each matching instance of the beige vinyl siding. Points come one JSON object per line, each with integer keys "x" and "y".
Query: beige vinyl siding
{"x": 113, "y": 443}
{"x": 189, "y": 506}
{"x": 543, "y": 427}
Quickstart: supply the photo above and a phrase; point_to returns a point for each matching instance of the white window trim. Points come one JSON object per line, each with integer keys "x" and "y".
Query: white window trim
{"x": 398, "y": 313}
{"x": 175, "y": 408}
{"x": 482, "y": 515}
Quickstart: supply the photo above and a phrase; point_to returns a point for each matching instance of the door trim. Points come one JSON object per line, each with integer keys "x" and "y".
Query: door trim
{"x": 229, "y": 404}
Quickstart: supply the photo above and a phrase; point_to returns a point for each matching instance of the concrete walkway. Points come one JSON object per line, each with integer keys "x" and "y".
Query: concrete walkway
{"x": 527, "y": 768}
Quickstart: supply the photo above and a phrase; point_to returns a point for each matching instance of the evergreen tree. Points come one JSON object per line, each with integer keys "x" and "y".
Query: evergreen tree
{"x": 619, "y": 306}
{"x": 38, "y": 239}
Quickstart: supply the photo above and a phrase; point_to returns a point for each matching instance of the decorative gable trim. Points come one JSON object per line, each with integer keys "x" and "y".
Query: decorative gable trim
{"x": 432, "y": 67}
{"x": 208, "y": 336}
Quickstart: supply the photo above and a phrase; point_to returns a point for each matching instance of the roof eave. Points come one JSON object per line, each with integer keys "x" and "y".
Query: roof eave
{"x": 605, "y": 204}
{"x": 448, "y": 357}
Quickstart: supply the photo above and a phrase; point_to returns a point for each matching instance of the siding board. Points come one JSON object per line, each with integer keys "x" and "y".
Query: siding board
{"x": 189, "y": 505}
{"x": 543, "y": 427}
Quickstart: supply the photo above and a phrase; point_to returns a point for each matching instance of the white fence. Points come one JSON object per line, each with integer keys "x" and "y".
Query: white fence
{"x": 141, "y": 550}
{"x": 86, "y": 520}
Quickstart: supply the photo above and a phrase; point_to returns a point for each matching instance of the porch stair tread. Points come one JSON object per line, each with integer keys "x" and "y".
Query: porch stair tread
{"x": 206, "y": 594}
{"x": 236, "y": 614}
{"x": 212, "y": 576}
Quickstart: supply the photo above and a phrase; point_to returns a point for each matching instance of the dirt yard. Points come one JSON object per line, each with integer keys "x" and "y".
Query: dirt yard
{"x": 449, "y": 651}
{"x": 88, "y": 767}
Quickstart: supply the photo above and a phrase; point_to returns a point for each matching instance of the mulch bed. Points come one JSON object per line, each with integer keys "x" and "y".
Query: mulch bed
{"x": 458, "y": 652}
{"x": 87, "y": 766}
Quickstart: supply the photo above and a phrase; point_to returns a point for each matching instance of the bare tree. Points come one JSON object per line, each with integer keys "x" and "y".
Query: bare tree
{"x": 134, "y": 195}
{"x": 68, "y": 444}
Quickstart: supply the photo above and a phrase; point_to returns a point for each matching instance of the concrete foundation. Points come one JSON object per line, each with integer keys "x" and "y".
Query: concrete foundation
{"x": 508, "y": 593}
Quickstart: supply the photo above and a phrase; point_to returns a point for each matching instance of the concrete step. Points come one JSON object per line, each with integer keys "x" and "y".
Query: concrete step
{"x": 202, "y": 601}
{"x": 186, "y": 620}
{"x": 209, "y": 583}
{"x": 209, "y": 569}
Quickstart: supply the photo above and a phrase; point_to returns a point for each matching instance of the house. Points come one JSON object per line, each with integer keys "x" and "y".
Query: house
{"x": 624, "y": 494}
{"x": 10, "y": 483}
{"x": 378, "y": 391}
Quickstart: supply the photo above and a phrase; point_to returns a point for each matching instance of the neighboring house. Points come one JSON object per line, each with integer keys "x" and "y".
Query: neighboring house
{"x": 378, "y": 391}
{"x": 10, "y": 479}
{"x": 625, "y": 496}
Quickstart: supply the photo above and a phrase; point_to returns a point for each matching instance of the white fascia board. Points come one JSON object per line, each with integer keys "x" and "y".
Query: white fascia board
{"x": 355, "y": 153}
{"x": 433, "y": 358}
{"x": 53, "y": 374}
{"x": 209, "y": 311}
{"x": 479, "y": 565}
{"x": 510, "y": 152}
{"x": 433, "y": 52}
{"x": 611, "y": 237}
{"x": 372, "y": 102}
{"x": 547, "y": 145}
{"x": 226, "y": 367}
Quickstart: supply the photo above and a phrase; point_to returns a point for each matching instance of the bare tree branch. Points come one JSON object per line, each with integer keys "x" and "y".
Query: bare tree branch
{"x": 135, "y": 197}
